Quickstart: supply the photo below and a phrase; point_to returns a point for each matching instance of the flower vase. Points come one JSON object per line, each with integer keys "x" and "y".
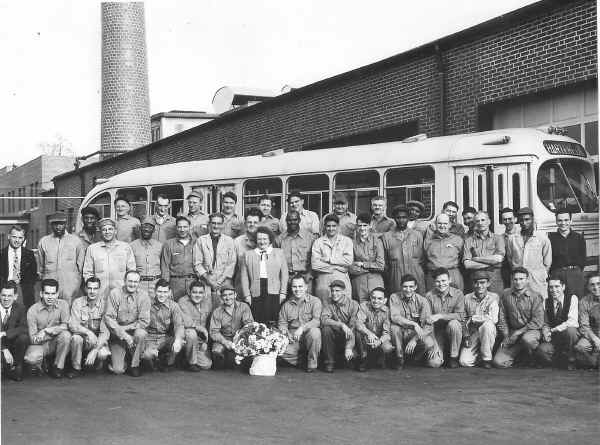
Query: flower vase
{"x": 264, "y": 364}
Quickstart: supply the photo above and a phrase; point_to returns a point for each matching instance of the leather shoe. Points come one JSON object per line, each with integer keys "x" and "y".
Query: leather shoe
{"x": 362, "y": 367}
{"x": 453, "y": 363}
{"x": 309, "y": 370}
{"x": 571, "y": 366}
{"x": 134, "y": 372}
{"x": 16, "y": 374}
{"x": 397, "y": 363}
{"x": 328, "y": 368}
{"x": 194, "y": 368}
{"x": 55, "y": 372}
{"x": 73, "y": 373}
{"x": 486, "y": 364}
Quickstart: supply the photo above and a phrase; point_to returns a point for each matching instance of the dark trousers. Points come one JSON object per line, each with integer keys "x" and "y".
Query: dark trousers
{"x": 561, "y": 342}
{"x": 334, "y": 343}
{"x": 265, "y": 308}
{"x": 17, "y": 347}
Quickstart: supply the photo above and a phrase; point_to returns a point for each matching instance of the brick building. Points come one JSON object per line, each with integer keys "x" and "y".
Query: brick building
{"x": 534, "y": 66}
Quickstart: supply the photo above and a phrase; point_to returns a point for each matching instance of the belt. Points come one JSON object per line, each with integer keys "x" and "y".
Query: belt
{"x": 189, "y": 275}
{"x": 149, "y": 277}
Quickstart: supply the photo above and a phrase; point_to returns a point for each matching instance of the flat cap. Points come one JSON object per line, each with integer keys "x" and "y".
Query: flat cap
{"x": 417, "y": 204}
{"x": 148, "y": 220}
{"x": 480, "y": 275}
{"x": 340, "y": 197}
{"x": 195, "y": 194}
{"x": 227, "y": 286}
{"x": 338, "y": 283}
{"x": 105, "y": 221}
{"x": 525, "y": 211}
{"x": 57, "y": 217}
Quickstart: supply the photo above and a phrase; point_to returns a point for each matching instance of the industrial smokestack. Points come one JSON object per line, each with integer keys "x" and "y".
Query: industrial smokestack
{"x": 125, "y": 121}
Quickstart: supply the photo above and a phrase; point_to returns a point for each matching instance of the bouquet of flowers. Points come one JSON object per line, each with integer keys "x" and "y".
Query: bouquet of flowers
{"x": 256, "y": 339}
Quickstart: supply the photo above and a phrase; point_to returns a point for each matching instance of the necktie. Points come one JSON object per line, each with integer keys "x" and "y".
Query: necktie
{"x": 16, "y": 266}
{"x": 4, "y": 319}
{"x": 558, "y": 307}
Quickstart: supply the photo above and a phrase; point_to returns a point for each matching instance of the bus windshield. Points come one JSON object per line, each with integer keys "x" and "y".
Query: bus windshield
{"x": 567, "y": 184}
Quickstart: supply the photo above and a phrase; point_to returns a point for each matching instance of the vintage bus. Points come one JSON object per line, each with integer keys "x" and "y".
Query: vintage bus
{"x": 539, "y": 168}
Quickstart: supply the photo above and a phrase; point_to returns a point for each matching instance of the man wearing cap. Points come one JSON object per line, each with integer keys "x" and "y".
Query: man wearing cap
{"x": 443, "y": 249}
{"x": 532, "y": 250}
{"x": 347, "y": 218}
{"x": 296, "y": 245}
{"x": 233, "y": 225}
{"x": 484, "y": 251}
{"x": 309, "y": 221}
{"x": 369, "y": 260}
{"x": 146, "y": 251}
{"x": 108, "y": 259}
{"x": 164, "y": 223}
{"x": 195, "y": 310}
{"x": 265, "y": 205}
{"x": 380, "y": 223}
{"x": 403, "y": 248}
{"x": 338, "y": 324}
{"x": 332, "y": 255}
{"x": 198, "y": 219}
{"x": 89, "y": 233}
{"x": 244, "y": 243}
{"x": 416, "y": 209}
{"x": 61, "y": 257}
{"x": 177, "y": 259}
{"x": 18, "y": 264}
{"x": 128, "y": 226}
{"x": 481, "y": 317}
{"x": 225, "y": 321}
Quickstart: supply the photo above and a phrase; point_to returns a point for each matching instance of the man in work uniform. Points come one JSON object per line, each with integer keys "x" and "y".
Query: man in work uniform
{"x": 588, "y": 346}
{"x": 61, "y": 257}
{"x": 198, "y": 219}
{"x": 164, "y": 223}
{"x": 347, "y": 218}
{"x": 265, "y": 205}
{"x": 195, "y": 309}
{"x": 89, "y": 233}
{"x": 450, "y": 208}
{"x": 443, "y": 250}
{"x": 416, "y": 209}
{"x": 147, "y": 251}
{"x": 380, "y": 223}
{"x": 296, "y": 245}
{"x": 309, "y": 220}
{"x": 373, "y": 338}
{"x": 232, "y": 224}
{"x": 128, "y": 226}
{"x": 177, "y": 259}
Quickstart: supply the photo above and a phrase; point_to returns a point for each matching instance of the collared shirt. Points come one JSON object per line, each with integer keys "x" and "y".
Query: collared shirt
{"x": 225, "y": 321}
{"x": 346, "y": 311}
{"x": 164, "y": 317}
{"x": 382, "y": 224}
{"x": 347, "y": 225}
{"x": 147, "y": 256}
{"x": 87, "y": 315}
{"x": 375, "y": 320}
{"x": 455, "y": 229}
{"x": 309, "y": 221}
{"x": 443, "y": 250}
{"x": 128, "y": 228}
{"x": 263, "y": 255}
{"x": 484, "y": 244}
{"x": 40, "y": 316}
{"x": 370, "y": 253}
{"x": 572, "y": 320}
{"x": 127, "y": 310}
{"x": 533, "y": 254}
{"x": 297, "y": 248}
{"x": 109, "y": 262}
{"x": 451, "y": 302}
{"x": 177, "y": 258}
{"x": 486, "y": 308}
{"x": 589, "y": 316}
{"x": 4, "y": 314}
{"x": 271, "y": 223}
{"x": 296, "y": 312}
{"x": 88, "y": 239}
{"x": 520, "y": 311}
{"x": 415, "y": 308}
{"x": 195, "y": 315}
{"x": 567, "y": 250}
{"x": 219, "y": 264}
{"x": 164, "y": 228}
{"x": 233, "y": 226}
{"x": 516, "y": 229}
{"x": 11, "y": 261}
{"x": 326, "y": 252}
{"x": 59, "y": 255}
{"x": 198, "y": 224}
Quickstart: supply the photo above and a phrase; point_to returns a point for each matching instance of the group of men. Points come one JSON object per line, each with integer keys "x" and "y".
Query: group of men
{"x": 365, "y": 289}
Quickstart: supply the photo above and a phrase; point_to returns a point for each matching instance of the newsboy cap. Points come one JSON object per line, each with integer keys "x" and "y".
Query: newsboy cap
{"x": 57, "y": 217}
{"x": 338, "y": 283}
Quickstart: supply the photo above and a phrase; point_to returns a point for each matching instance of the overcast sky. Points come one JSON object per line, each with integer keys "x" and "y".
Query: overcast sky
{"x": 50, "y": 53}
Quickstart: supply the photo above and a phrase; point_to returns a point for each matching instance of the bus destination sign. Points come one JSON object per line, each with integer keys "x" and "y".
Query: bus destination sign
{"x": 565, "y": 148}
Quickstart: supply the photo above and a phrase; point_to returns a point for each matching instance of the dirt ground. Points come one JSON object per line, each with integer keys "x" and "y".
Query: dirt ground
{"x": 413, "y": 406}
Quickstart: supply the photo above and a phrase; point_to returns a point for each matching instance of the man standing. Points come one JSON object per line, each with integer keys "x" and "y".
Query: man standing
{"x": 177, "y": 259}
{"x": 299, "y": 319}
{"x": 403, "y": 248}
{"x": 347, "y": 218}
{"x": 468, "y": 216}
{"x": 373, "y": 331}
{"x": 13, "y": 331}
{"x": 61, "y": 257}
{"x": 165, "y": 331}
{"x": 232, "y": 224}
{"x": 532, "y": 250}
{"x": 226, "y": 320}
{"x": 309, "y": 221}
{"x": 484, "y": 251}
{"x": 444, "y": 250}
{"x": 559, "y": 332}
{"x": 588, "y": 346}
{"x": 127, "y": 317}
{"x": 146, "y": 251}
{"x": 17, "y": 263}
{"x": 369, "y": 260}
{"x": 338, "y": 324}
{"x": 48, "y": 331}
{"x": 89, "y": 333}
{"x": 214, "y": 258}
{"x": 108, "y": 259}
{"x": 481, "y": 317}
{"x": 164, "y": 223}
{"x": 89, "y": 233}
{"x": 198, "y": 219}
{"x": 380, "y": 223}
{"x": 507, "y": 217}
{"x": 195, "y": 309}
{"x": 520, "y": 320}
{"x": 265, "y": 205}
{"x": 450, "y": 208}
{"x": 568, "y": 254}
{"x": 246, "y": 242}
{"x": 296, "y": 245}
{"x": 416, "y": 209}
{"x": 332, "y": 254}
{"x": 128, "y": 227}
{"x": 447, "y": 315}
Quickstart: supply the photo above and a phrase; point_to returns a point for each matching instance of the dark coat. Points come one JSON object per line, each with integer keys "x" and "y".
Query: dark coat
{"x": 28, "y": 272}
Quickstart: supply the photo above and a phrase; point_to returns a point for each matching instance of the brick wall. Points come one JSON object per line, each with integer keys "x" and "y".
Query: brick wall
{"x": 539, "y": 48}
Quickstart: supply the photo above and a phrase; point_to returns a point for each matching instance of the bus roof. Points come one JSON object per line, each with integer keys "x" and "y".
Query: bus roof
{"x": 523, "y": 141}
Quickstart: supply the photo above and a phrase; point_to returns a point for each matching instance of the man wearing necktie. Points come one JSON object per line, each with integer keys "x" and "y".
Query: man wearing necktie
{"x": 17, "y": 263}
{"x": 13, "y": 331}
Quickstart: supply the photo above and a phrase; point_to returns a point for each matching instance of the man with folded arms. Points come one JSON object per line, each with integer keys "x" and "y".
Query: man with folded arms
{"x": 13, "y": 331}
{"x": 373, "y": 330}
{"x": 299, "y": 319}
{"x": 165, "y": 329}
{"x": 146, "y": 251}
{"x": 411, "y": 331}
{"x": 225, "y": 321}
{"x": 588, "y": 346}
{"x": 89, "y": 333}
{"x": 177, "y": 259}
{"x": 195, "y": 309}
{"x": 48, "y": 330}
{"x": 338, "y": 322}
{"x": 520, "y": 320}
{"x": 127, "y": 317}
{"x": 481, "y": 317}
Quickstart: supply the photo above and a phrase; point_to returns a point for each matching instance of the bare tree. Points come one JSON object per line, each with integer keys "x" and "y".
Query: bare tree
{"x": 57, "y": 146}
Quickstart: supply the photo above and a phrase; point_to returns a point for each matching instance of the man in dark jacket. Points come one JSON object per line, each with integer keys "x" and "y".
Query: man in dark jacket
{"x": 17, "y": 263}
{"x": 13, "y": 331}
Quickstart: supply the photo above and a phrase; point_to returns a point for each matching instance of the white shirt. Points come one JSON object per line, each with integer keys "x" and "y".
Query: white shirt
{"x": 11, "y": 260}
{"x": 263, "y": 260}
{"x": 572, "y": 318}
{"x": 4, "y": 313}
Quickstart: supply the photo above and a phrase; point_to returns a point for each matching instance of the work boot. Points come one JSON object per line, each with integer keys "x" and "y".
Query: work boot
{"x": 397, "y": 363}
{"x": 328, "y": 368}
{"x": 73, "y": 373}
{"x": 134, "y": 372}
{"x": 486, "y": 364}
{"x": 453, "y": 363}
{"x": 16, "y": 373}
{"x": 55, "y": 372}
{"x": 194, "y": 368}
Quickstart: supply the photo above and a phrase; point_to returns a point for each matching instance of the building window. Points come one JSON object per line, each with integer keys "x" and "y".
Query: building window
{"x": 255, "y": 188}
{"x": 406, "y": 184}
{"x": 359, "y": 188}
{"x": 138, "y": 198}
{"x": 314, "y": 189}
{"x": 173, "y": 192}
{"x": 155, "y": 133}
{"x": 102, "y": 204}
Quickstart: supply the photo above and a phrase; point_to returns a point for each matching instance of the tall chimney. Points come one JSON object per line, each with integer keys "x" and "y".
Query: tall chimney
{"x": 125, "y": 121}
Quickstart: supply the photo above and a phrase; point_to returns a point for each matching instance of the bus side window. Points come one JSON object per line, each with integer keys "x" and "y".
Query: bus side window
{"x": 406, "y": 184}
{"x": 516, "y": 191}
{"x": 102, "y": 204}
{"x": 466, "y": 192}
{"x": 315, "y": 189}
{"x": 255, "y": 188}
{"x": 359, "y": 188}
{"x": 173, "y": 192}
{"x": 501, "y": 192}
{"x": 138, "y": 198}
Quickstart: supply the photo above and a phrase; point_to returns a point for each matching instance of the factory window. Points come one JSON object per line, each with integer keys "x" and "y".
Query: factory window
{"x": 255, "y": 188}
{"x": 359, "y": 188}
{"x": 173, "y": 192}
{"x": 406, "y": 184}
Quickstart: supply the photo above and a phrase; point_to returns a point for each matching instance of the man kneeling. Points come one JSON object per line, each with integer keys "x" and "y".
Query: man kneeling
{"x": 373, "y": 330}
{"x": 165, "y": 330}
{"x": 195, "y": 309}
{"x": 299, "y": 319}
